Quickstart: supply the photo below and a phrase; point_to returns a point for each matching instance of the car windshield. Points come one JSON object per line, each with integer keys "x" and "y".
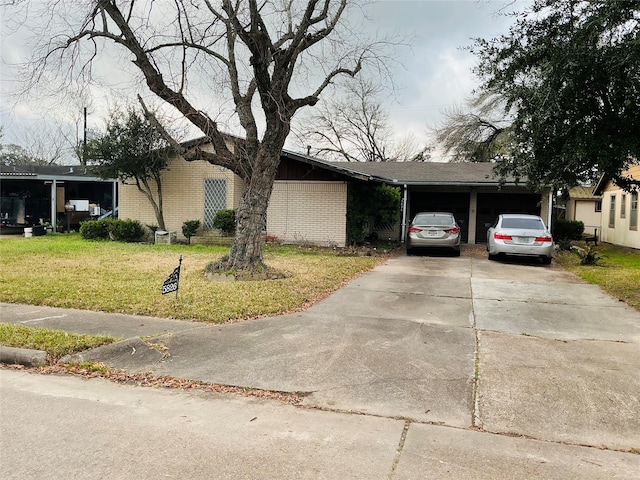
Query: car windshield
{"x": 528, "y": 223}
{"x": 433, "y": 219}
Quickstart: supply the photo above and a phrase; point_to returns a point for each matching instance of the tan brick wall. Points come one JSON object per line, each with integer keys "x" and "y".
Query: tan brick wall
{"x": 308, "y": 212}
{"x": 183, "y": 194}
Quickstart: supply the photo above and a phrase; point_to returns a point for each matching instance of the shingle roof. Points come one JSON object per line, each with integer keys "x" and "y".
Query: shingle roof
{"x": 428, "y": 173}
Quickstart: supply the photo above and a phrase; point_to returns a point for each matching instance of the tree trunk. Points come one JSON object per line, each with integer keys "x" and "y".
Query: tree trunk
{"x": 246, "y": 250}
{"x": 144, "y": 188}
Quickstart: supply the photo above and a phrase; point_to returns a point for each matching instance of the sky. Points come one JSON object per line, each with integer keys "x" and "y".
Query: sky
{"x": 432, "y": 75}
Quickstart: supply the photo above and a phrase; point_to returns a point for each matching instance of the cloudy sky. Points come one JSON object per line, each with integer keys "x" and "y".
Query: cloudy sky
{"x": 431, "y": 76}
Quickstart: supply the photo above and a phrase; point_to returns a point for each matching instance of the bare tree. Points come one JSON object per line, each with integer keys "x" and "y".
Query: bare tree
{"x": 479, "y": 132}
{"x": 356, "y": 129}
{"x": 265, "y": 54}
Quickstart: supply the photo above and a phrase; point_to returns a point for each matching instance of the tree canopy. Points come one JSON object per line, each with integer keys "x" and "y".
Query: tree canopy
{"x": 568, "y": 78}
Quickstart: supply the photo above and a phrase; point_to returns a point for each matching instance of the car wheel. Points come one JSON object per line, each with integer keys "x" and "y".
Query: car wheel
{"x": 546, "y": 260}
{"x": 409, "y": 251}
{"x": 493, "y": 257}
{"x": 456, "y": 252}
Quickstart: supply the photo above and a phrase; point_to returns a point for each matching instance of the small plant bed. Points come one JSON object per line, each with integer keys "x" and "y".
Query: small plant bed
{"x": 57, "y": 343}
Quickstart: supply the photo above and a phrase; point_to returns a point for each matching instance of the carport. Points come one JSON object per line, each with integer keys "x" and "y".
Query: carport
{"x": 53, "y": 194}
{"x": 471, "y": 191}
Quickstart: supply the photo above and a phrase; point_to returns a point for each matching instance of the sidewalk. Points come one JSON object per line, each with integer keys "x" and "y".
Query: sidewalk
{"x": 474, "y": 355}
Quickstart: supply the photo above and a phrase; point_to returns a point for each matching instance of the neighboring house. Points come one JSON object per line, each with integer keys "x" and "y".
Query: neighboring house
{"x": 308, "y": 203}
{"x": 619, "y": 211}
{"x": 584, "y": 206}
{"x": 61, "y": 196}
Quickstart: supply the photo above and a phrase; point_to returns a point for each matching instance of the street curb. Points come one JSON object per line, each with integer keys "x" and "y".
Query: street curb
{"x": 23, "y": 356}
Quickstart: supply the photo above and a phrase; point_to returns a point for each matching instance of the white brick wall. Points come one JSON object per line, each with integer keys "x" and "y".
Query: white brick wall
{"x": 183, "y": 194}
{"x": 308, "y": 212}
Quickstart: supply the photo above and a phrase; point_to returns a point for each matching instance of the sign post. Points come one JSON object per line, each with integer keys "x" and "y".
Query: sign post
{"x": 172, "y": 282}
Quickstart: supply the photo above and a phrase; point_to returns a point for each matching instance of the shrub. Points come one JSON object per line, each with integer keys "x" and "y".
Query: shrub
{"x": 569, "y": 229}
{"x": 225, "y": 221}
{"x": 189, "y": 228}
{"x": 564, "y": 244}
{"x": 369, "y": 206}
{"x": 95, "y": 230}
{"x": 126, "y": 230}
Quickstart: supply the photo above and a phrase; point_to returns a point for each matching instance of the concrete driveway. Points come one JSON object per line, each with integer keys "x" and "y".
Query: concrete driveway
{"x": 504, "y": 347}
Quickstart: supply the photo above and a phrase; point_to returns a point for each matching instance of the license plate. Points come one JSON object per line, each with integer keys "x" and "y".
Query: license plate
{"x": 523, "y": 239}
{"x": 432, "y": 233}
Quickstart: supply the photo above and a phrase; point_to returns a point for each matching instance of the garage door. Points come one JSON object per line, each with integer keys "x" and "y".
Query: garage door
{"x": 456, "y": 203}
{"x": 490, "y": 205}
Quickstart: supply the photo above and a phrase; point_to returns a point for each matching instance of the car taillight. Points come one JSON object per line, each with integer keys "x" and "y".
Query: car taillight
{"x": 544, "y": 239}
{"x": 452, "y": 230}
{"x": 414, "y": 229}
{"x": 502, "y": 236}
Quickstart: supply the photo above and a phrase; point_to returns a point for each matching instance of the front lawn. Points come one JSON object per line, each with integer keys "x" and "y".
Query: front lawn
{"x": 618, "y": 272}
{"x": 67, "y": 271}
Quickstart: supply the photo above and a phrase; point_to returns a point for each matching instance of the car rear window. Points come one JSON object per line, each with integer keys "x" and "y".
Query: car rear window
{"x": 528, "y": 223}
{"x": 433, "y": 220}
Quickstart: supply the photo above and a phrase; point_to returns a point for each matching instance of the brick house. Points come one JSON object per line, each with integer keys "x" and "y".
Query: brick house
{"x": 309, "y": 199}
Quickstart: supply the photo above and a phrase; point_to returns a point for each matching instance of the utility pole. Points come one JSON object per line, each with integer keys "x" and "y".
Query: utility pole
{"x": 84, "y": 140}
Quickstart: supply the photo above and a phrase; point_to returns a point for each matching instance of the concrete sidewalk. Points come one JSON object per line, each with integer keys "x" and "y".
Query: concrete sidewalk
{"x": 459, "y": 347}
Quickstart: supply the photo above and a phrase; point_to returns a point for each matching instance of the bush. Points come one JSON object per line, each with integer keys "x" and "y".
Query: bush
{"x": 369, "y": 206}
{"x": 95, "y": 230}
{"x": 225, "y": 221}
{"x": 126, "y": 230}
{"x": 564, "y": 244}
{"x": 568, "y": 229}
{"x": 189, "y": 228}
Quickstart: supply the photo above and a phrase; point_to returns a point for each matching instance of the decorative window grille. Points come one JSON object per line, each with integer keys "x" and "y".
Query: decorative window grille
{"x": 215, "y": 198}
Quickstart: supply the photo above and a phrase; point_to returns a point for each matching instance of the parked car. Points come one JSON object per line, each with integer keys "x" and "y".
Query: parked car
{"x": 522, "y": 235}
{"x": 434, "y": 230}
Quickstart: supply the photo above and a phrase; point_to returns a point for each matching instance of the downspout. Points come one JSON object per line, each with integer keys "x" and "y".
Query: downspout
{"x": 404, "y": 214}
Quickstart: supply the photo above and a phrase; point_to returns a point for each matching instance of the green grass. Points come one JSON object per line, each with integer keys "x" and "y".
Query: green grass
{"x": 67, "y": 271}
{"x": 56, "y": 343}
{"x": 618, "y": 272}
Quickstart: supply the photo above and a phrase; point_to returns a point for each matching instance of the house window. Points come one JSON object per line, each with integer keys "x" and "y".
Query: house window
{"x": 215, "y": 198}
{"x": 612, "y": 212}
{"x": 598, "y": 206}
{"x": 633, "y": 213}
{"x": 623, "y": 206}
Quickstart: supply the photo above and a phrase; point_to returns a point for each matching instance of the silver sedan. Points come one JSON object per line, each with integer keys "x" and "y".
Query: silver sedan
{"x": 434, "y": 230}
{"x": 521, "y": 235}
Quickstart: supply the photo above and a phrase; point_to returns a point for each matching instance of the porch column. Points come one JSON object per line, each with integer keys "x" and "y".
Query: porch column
{"x": 403, "y": 231}
{"x": 473, "y": 207}
{"x": 54, "y": 203}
